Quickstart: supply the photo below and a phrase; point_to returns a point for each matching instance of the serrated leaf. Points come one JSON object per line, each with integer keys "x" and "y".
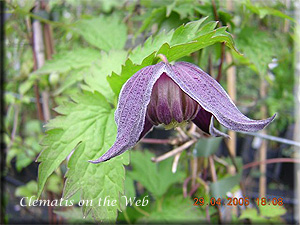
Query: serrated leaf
{"x": 150, "y": 45}
{"x": 96, "y": 77}
{"x": 186, "y": 33}
{"x": 116, "y": 82}
{"x": 186, "y": 40}
{"x": 67, "y": 60}
{"x": 156, "y": 178}
{"x": 87, "y": 127}
{"x": 175, "y": 52}
{"x": 209, "y": 26}
{"x": 105, "y": 33}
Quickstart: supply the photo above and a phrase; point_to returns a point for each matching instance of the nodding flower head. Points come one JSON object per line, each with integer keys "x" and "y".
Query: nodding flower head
{"x": 173, "y": 95}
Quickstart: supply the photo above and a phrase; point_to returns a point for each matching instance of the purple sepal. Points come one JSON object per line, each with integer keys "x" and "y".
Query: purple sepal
{"x": 212, "y": 97}
{"x": 131, "y": 110}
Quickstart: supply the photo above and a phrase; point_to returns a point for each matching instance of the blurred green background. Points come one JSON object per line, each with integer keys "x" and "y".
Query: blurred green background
{"x": 263, "y": 31}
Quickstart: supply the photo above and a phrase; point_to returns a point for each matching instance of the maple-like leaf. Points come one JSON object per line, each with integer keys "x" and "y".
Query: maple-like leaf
{"x": 88, "y": 129}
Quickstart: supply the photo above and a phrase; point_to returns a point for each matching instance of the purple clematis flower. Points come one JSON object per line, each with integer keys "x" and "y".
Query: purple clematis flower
{"x": 171, "y": 95}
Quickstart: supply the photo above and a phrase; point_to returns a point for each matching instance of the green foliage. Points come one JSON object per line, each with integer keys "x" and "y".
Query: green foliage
{"x": 68, "y": 60}
{"x": 206, "y": 147}
{"x": 25, "y": 151}
{"x": 155, "y": 178}
{"x": 74, "y": 216}
{"x": 168, "y": 204}
{"x": 227, "y": 182}
{"x": 262, "y": 11}
{"x": 105, "y": 33}
{"x": 267, "y": 214}
{"x": 96, "y": 55}
{"x": 257, "y": 48}
{"x": 174, "y": 45}
{"x": 109, "y": 63}
{"x": 89, "y": 117}
{"x": 28, "y": 190}
{"x": 175, "y": 208}
{"x": 221, "y": 187}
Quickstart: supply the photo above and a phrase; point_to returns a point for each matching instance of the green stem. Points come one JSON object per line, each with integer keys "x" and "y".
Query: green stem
{"x": 141, "y": 211}
{"x": 159, "y": 203}
{"x": 126, "y": 217}
{"x": 163, "y": 58}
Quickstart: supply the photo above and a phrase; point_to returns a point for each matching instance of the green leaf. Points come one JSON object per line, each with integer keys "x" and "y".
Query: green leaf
{"x": 156, "y": 16}
{"x": 176, "y": 52}
{"x": 257, "y": 46}
{"x": 262, "y": 11}
{"x": 206, "y": 147}
{"x": 109, "y": 63}
{"x": 185, "y": 10}
{"x": 72, "y": 78}
{"x": 105, "y": 33}
{"x": 249, "y": 213}
{"x": 252, "y": 215}
{"x": 176, "y": 208}
{"x": 150, "y": 45}
{"x": 174, "y": 45}
{"x": 25, "y": 86}
{"x": 271, "y": 210}
{"x": 156, "y": 178}
{"x": 221, "y": 187}
{"x": 67, "y": 60}
{"x": 55, "y": 184}
{"x": 73, "y": 216}
{"x": 116, "y": 82}
{"x": 129, "y": 192}
{"x": 87, "y": 127}
{"x": 186, "y": 33}
{"x": 27, "y": 190}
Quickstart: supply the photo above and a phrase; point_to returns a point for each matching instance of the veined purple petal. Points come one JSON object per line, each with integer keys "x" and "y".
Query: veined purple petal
{"x": 214, "y": 131}
{"x": 131, "y": 111}
{"x": 147, "y": 127}
{"x": 212, "y": 97}
{"x": 202, "y": 120}
{"x": 205, "y": 121}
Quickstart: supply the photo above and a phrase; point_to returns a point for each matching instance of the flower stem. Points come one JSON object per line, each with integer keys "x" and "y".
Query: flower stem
{"x": 163, "y": 58}
{"x": 174, "y": 151}
{"x": 141, "y": 211}
{"x": 126, "y": 217}
{"x": 155, "y": 141}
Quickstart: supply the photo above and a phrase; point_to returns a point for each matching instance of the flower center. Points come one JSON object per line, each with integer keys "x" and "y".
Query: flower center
{"x": 169, "y": 105}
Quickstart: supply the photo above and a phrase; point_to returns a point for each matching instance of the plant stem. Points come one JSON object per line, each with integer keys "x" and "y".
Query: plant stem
{"x": 141, "y": 211}
{"x": 269, "y": 161}
{"x": 163, "y": 58}
{"x": 263, "y": 147}
{"x": 214, "y": 179}
{"x": 174, "y": 151}
{"x": 126, "y": 217}
{"x": 175, "y": 162}
{"x": 155, "y": 141}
